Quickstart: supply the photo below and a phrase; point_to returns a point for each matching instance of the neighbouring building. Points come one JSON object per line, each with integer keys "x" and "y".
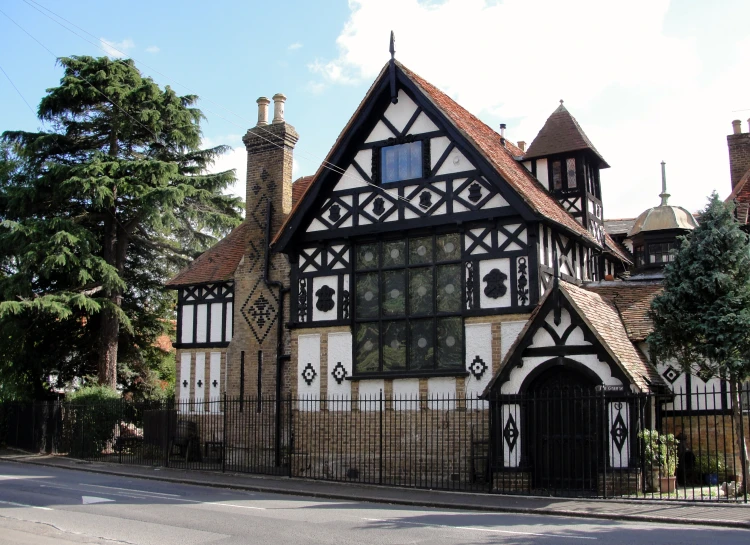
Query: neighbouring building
{"x": 430, "y": 259}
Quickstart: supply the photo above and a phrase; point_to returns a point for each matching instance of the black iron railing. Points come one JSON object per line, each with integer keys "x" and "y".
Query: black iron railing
{"x": 604, "y": 442}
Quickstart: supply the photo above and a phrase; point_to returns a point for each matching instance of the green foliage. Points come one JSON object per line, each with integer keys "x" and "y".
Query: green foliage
{"x": 711, "y": 463}
{"x": 96, "y": 213}
{"x": 92, "y": 414}
{"x": 660, "y": 450}
{"x": 702, "y": 319}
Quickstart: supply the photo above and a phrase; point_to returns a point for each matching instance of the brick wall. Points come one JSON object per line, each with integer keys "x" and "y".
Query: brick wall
{"x": 739, "y": 155}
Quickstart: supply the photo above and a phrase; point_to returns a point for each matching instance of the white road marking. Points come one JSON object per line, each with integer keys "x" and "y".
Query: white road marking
{"x": 490, "y": 530}
{"x": 24, "y": 505}
{"x": 229, "y": 505}
{"x": 130, "y": 490}
{"x": 89, "y": 500}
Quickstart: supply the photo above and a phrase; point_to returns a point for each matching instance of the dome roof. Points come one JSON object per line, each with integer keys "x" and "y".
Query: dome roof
{"x": 663, "y": 218}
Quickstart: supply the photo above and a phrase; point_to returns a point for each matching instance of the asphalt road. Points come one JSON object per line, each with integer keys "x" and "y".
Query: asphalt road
{"x": 43, "y": 505}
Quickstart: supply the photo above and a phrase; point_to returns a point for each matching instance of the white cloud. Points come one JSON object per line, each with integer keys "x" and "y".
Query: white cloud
{"x": 153, "y": 49}
{"x": 640, "y": 94}
{"x": 315, "y": 87}
{"x": 117, "y": 50}
{"x": 295, "y": 45}
{"x": 235, "y": 159}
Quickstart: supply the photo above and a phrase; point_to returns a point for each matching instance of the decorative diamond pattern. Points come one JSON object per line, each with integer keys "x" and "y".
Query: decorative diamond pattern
{"x": 619, "y": 431}
{"x": 260, "y": 310}
{"x": 309, "y": 374}
{"x": 477, "y": 368}
{"x": 339, "y": 373}
{"x": 671, "y": 374}
{"x": 510, "y": 433}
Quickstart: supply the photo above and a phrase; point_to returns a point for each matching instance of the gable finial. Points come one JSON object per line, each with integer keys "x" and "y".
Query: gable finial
{"x": 561, "y": 102}
{"x": 392, "y": 68}
{"x": 664, "y": 195}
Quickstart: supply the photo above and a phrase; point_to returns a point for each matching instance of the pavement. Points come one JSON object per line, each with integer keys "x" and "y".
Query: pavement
{"x": 662, "y": 511}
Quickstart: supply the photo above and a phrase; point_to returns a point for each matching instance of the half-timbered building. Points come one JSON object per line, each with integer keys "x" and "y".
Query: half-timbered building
{"x": 428, "y": 258}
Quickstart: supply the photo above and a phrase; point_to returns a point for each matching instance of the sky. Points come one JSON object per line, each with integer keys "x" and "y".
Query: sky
{"x": 647, "y": 80}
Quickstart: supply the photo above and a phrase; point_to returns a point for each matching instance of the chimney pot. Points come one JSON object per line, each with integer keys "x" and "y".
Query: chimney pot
{"x": 278, "y": 107}
{"x": 737, "y": 126}
{"x": 263, "y": 103}
{"x": 522, "y": 145}
{"x": 502, "y": 130}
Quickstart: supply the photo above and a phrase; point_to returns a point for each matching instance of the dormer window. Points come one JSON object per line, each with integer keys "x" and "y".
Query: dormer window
{"x": 401, "y": 162}
{"x": 564, "y": 174}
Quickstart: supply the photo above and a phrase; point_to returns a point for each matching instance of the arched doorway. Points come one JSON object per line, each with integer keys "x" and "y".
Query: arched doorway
{"x": 564, "y": 415}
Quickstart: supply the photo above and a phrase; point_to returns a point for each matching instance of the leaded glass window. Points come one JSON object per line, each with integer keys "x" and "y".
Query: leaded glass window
{"x": 556, "y": 175}
{"x": 407, "y": 305}
{"x": 572, "y": 182}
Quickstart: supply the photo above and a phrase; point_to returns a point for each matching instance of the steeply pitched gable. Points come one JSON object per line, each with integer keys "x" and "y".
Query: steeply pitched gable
{"x": 517, "y": 185}
{"x": 561, "y": 133}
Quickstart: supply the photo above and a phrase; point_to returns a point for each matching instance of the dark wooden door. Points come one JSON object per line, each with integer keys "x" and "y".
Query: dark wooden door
{"x": 565, "y": 417}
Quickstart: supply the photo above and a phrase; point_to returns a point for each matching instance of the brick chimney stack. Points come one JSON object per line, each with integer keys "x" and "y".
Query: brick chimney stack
{"x": 739, "y": 151}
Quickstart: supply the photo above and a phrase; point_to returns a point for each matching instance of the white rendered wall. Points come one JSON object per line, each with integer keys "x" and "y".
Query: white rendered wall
{"x": 510, "y": 417}
{"x": 202, "y": 326}
{"x": 619, "y": 457}
{"x": 199, "y": 392}
{"x": 339, "y": 351}
{"x": 441, "y": 393}
{"x": 214, "y": 381}
{"x": 186, "y": 336}
{"x": 185, "y": 361}
{"x": 369, "y": 394}
{"x": 509, "y": 332}
{"x": 406, "y": 394}
{"x": 308, "y": 353}
{"x": 485, "y": 266}
{"x": 478, "y": 363}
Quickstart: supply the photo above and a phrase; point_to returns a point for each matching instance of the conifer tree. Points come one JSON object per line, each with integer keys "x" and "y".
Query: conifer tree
{"x": 98, "y": 211}
{"x": 702, "y": 318}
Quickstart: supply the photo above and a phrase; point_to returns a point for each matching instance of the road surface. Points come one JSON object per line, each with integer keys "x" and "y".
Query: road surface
{"x": 43, "y": 505}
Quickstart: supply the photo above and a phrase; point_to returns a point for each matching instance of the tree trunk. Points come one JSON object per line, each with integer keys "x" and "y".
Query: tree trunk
{"x": 737, "y": 416}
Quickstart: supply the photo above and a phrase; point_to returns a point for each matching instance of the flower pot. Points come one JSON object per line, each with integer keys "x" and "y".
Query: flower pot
{"x": 711, "y": 478}
{"x": 667, "y": 484}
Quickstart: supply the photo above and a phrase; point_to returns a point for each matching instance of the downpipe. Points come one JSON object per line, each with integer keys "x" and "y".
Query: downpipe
{"x": 280, "y": 356}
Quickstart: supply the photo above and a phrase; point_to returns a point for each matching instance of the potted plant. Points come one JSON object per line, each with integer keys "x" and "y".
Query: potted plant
{"x": 710, "y": 466}
{"x": 660, "y": 460}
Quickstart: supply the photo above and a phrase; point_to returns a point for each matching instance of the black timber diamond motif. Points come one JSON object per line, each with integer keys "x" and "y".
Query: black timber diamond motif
{"x": 200, "y": 383}
{"x": 378, "y": 206}
{"x": 334, "y": 212}
{"x": 475, "y": 192}
{"x": 510, "y": 433}
{"x": 671, "y": 374}
{"x": 339, "y": 373}
{"x": 619, "y": 432}
{"x": 325, "y": 298}
{"x": 425, "y": 199}
{"x": 215, "y": 384}
{"x": 705, "y": 373}
{"x": 496, "y": 287}
{"x": 260, "y": 311}
{"x": 185, "y": 383}
{"x": 309, "y": 374}
{"x": 477, "y": 368}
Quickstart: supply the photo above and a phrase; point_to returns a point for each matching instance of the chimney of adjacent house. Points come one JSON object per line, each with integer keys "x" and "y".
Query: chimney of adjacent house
{"x": 278, "y": 108}
{"x": 739, "y": 152}
{"x": 502, "y": 130}
{"x": 263, "y": 103}
{"x": 521, "y": 145}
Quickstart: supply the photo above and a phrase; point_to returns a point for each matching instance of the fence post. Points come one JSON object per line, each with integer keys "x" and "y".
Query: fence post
{"x": 224, "y": 437}
{"x": 743, "y": 450}
{"x": 380, "y": 462}
{"x": 168, "y": 442}
{"x": 606, "y": 423}
{"x": 117, "y": 435}
{"x": 290, "y": 435}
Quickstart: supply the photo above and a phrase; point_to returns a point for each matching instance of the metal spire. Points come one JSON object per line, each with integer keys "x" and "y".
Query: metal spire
{"x": 392, "y": 69}
{"x": 664, "y": 195}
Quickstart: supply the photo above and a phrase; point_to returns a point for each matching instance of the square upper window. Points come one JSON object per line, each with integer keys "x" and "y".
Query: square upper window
{"x": 401, "y": 162}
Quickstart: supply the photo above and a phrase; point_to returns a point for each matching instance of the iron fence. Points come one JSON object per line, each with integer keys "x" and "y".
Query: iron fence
{"x": 562, "y": 442}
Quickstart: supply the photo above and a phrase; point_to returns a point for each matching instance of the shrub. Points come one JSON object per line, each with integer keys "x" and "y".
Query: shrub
{"x": 92, "y": 414}
{"x": 711, "y": 463}
{"x": 660, "y": 450}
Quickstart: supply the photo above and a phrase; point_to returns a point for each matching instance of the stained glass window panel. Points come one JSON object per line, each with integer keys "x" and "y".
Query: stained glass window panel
{"x": 450, "y": 343}
{"x": 420, "y": 291}
{"x": 367, "y": 256}
{"x": 421, "y": 344}
{"x": 394, "y": 253}
{"x": 448, "y": 247}
{"x": 394, "y": 293}
{"x": 394, "y": 346}
{"x": 367, "y": 295}
{"x": 556, "y": 175}
{"x": 449, "y": 288}
{"x": 366, "y": 344}
{"x": 572, "y": 182}
{"x": 420, "y": 251}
